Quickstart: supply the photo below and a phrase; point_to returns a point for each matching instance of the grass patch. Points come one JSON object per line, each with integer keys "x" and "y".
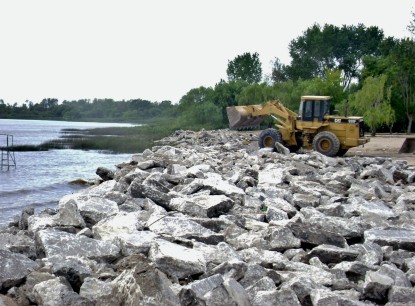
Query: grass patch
{"x": 115, "y": 139}
{"x": 123, "y": 139}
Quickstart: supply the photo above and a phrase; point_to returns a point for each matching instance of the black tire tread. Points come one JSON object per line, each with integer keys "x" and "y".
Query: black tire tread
{"x": 332, "y": 138}
{"x": 273, "y": 133}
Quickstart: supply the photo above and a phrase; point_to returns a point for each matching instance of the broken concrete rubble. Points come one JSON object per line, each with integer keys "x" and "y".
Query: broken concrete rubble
{"x": 204, "y": 218}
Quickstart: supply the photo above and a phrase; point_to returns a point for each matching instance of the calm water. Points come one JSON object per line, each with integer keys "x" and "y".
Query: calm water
{"x": 42, "y": 178}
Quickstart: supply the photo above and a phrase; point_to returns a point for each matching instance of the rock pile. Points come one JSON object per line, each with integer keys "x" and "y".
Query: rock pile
{"x": 203, "y": 219}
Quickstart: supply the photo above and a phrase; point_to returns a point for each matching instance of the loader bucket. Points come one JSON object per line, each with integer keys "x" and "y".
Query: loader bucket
{"x": 240, "y": 117}
{"x": 408, "y": 146}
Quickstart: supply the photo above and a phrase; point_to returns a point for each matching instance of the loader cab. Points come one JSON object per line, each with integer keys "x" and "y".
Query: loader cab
{"x": 314, "y": 108}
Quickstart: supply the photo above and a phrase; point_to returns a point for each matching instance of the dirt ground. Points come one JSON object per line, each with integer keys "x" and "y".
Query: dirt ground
{"x": 385, "y": 146}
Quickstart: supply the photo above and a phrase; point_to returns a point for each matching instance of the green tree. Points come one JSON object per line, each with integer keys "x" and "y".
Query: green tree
{"x": 256, "y": 94}
{"x": 279, "y": 73}
{"x": 401, "y": 62}
{"x": 225, "y": 94}
{"x": 245, "y": 67}
{"x": 332, "y": 48}
{"x": 197, "y": 109}
{"x": 373, "y": 102}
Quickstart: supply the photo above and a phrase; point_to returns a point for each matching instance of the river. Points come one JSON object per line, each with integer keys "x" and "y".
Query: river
{"x": 41, "y": 178}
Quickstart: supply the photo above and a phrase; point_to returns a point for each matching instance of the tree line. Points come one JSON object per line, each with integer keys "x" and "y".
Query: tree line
{"x": 366, "y": 73}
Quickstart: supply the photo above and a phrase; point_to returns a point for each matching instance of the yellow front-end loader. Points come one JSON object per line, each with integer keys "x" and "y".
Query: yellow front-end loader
{"x": 312, "y": 128}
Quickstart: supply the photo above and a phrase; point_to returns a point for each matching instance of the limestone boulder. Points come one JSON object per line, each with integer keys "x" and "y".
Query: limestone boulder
{"x": 175, "y": 260}
{"x": 203, "y": 206}
{"x": 93, "y": 208}
{"x": 51, "y": 242}
{"x": 14, "y": 268}
{"x": 57, "y": 292}
{"x": 399, "y": 238}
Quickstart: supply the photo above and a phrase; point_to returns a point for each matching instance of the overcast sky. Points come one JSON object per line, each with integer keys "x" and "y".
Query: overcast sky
{"x": 160, "y": 49}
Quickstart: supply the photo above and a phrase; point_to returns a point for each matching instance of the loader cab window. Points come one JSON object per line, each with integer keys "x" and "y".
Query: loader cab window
{"x": 308, "y": 111}
{"x": 314, "y": 109}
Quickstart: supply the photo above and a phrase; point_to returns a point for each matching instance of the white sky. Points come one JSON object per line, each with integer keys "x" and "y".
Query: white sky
{"x": 160, "y": 49}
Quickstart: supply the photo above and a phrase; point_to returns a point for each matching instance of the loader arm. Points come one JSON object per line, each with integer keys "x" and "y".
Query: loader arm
{"x": 252, "y": 115}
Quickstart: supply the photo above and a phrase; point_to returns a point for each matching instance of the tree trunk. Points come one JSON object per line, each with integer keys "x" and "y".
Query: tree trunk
{"x": 410, "y": 117}
{"x": 373, "y": 132}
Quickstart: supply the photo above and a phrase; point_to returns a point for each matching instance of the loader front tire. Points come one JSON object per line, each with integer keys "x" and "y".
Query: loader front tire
{"x": 268, "y": 138}
{"x": 326, "y": 143}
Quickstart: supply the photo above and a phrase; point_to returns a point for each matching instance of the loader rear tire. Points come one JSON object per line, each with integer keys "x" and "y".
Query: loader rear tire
{"x": 268, "y": 138}
{"x": 326, "y": 143}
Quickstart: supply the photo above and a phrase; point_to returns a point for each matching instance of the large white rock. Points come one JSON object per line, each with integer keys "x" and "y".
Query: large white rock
{"x": 68, "y": 215}
{"x": 176, "y": 226}
{"x": 271, "y": 175}
{"x": 120, "y": 224}
{"x": 94, "y": 208}
{"x": 176, "y": 260}
{"x": 203, "y": 206}
{"x": 52, "y": 242}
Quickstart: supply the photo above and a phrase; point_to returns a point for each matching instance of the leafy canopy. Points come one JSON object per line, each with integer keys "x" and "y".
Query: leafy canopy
{"x": 245, "y": 67}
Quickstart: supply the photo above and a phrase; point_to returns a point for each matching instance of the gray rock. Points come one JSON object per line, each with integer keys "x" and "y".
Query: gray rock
{"x": 137, "y": 175}
{"x": 270, "y": 175}
{"x": 216, "y": 254}
{"x": 399, "y": 278}
{"x": 286, "y": 296}
{"x": 25, "y": 291}
{"x": 57, "y": 292}
{"x": 332, "y": 254}
{"x": 19, "y": 243}
{"x": 230, "y": 269}
{"x": 317, "y": 233}
{"x": 106, "y": 187}
{"x": 7, "y": 301}
{"x": 399, "y": 238}
{"x": 105, "y": 174}
{"x": 323, "y": 297}
{"x": 281, "y": 204}
{"x": 177, "y": 227}
{"x": 93, "y": 209}
{"x": 153, "y": 284}
{"x": 305, "y": 200}
{"x": 217, "y": 185}
{"x": 317, "y": 275}
{"x": 355, "y": 270}
{"x": 281, "y": 238}
{"x": 255, "y": 290}
{"x": 139, "y": 190}
{"x": 376, "y": 285}
{"x": 116, "y": 196}
{"x": 302, "y": 286}
{"x": 119, "y": 224}
{"x": 73, "y": 270}
{"x": 23, "y": 220}
{"x": 403, "y": 295}
{"x": 195, "y": 291}
{"x": 99, "y": 292}
{"x": 14, "y": 268}
{"x": 203, "y": 206}
{"x": 126, "y": 290}
{"x": 237, "y": 292}
{"x": 51, "y": 242}
{"x": 370, "y": 253}
{"x": 276, "y": 214}
{"x": 397, "y": 257}
{"x": 175, "y": 260}
{"x": 68, "y": 215}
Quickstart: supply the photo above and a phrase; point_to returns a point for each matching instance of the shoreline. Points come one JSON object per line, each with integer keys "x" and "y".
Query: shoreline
{"x": 203, "y": 218}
